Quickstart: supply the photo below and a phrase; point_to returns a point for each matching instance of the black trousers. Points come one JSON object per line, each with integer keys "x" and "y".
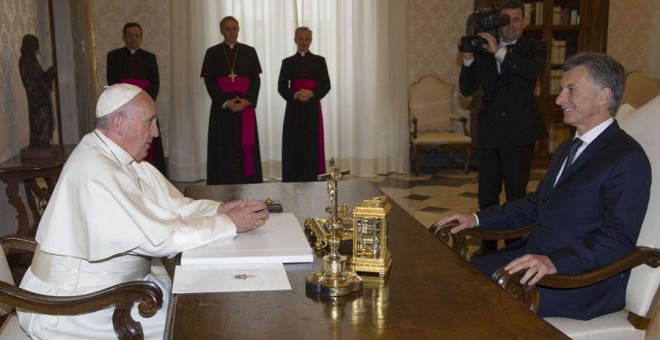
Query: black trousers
{"x": 508, "y": 165}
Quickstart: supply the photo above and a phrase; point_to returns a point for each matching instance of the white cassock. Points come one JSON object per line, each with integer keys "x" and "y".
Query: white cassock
{"x": 107, "y": 216}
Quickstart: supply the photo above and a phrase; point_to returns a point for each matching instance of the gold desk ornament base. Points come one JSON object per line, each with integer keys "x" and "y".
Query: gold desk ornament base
{"x": 379, "y": 267}
{"x": 334, "y": 279}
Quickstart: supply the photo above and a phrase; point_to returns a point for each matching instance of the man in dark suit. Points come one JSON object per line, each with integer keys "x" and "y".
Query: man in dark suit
{"x": 589, "y": 209}
{"x": 132, "y": 65}
{"x": 510, "y": 120}
{"x": 303, "y": 82}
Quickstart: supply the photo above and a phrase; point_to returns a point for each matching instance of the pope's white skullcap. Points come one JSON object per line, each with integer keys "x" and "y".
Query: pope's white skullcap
{"x": 114, "y": 96}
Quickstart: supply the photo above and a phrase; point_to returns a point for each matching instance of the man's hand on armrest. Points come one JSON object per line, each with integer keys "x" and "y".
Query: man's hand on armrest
{"x": 465, "y": 221}
{"x": 537, "y": 267}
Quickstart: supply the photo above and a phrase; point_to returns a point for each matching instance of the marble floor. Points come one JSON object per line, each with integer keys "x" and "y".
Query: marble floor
{"x": 431, "y": 196}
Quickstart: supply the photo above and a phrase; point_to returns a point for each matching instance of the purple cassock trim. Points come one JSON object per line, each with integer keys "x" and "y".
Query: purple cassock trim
{"x": 249, "y": 119}
{"x": 141, "y": 83}
{"x": 310, "y": 84}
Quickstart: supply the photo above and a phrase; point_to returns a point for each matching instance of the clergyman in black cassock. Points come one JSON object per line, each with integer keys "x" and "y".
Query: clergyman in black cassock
{"x": 231, "y": 75}
{"x": 133, "y": 65}
{"x": 303, "y": 82}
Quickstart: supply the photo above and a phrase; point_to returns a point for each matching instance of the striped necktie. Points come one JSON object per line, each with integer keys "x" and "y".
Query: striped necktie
{"x": 575, "y": 146}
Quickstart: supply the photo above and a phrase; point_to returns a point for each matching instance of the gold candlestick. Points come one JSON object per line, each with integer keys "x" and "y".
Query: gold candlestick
{"x": 334, "y": 278}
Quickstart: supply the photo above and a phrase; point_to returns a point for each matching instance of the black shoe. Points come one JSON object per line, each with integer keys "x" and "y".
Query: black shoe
{"x": 486, "y": 247}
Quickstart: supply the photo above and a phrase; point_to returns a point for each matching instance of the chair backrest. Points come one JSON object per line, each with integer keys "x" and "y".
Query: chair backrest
{"x": 642, "y": 124}
{"x": 430, "y": 101}
{"x": 640, "y": 89}
{"x": 5, "y": 276}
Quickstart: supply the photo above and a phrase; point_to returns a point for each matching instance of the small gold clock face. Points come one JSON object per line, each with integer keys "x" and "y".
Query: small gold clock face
{"x": 368, "y": 241}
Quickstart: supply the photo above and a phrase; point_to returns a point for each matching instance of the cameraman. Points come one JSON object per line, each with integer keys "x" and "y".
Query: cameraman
{"x": 510, "y": 120}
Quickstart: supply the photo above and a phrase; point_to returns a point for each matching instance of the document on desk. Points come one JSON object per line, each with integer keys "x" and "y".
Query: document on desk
{"x": 280, "y": 240}
{"x": 217, "y": 278}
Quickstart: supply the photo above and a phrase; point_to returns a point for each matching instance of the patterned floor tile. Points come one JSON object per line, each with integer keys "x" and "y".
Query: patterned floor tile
{"x": 437, "y": 210}
{"x": 417, "y": 197}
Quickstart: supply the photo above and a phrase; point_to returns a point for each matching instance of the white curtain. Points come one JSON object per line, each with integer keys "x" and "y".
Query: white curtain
{"x": 364, "y": 43}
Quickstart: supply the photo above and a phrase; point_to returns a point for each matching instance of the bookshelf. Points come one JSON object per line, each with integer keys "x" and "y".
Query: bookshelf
{"x": 567, "y": 27}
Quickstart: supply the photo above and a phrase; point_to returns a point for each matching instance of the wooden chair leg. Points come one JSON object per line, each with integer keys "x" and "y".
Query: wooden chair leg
{"x": 416, "y": 160}
{"x": 468, "y": 154}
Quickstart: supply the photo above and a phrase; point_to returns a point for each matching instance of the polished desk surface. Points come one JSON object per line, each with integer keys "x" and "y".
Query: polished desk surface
{"x": 431, "y": 293}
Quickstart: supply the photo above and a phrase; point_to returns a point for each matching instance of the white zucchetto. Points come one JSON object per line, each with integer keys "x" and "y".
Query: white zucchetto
{"x": 114, "y": 96}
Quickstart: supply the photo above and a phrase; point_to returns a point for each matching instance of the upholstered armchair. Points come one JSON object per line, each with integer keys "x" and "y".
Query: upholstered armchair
{"x": 431, "y": 116}
{"x": 642, "y": 294}
{"x": 640, "y": 89}
{"x": 122, "y": 296}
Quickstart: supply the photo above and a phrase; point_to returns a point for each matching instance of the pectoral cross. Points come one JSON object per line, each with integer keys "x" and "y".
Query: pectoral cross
{"x": 232, "y": 76}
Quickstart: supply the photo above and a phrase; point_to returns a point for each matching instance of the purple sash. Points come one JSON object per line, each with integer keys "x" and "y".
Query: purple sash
{"x": 141, "y": 83}
{"x": 310, "y": 84}
{"x": 249, "y": 119}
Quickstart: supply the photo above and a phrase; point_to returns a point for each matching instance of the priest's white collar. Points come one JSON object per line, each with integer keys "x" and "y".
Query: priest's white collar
{"x": 132, "y": 50}
{"x": 231, "y": 46}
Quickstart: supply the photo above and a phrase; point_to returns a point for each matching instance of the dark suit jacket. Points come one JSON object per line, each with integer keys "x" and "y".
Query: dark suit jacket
{"x": 590, "y": 218}
{"x": 509, "y": 108}
{"x": 145, "y": 68}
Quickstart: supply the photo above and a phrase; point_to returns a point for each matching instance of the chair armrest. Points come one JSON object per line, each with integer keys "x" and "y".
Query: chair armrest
{"x": 529, "y": 295}
{"x": 16, "y": 242}
{"x": 459, "y": 240}
{"x": 122, "y": 296}
{"x": 462, "y": 120}
{"x": 459, "y": 119}
{"x": 639, "y": 255}
{"x": 413, "y": 130}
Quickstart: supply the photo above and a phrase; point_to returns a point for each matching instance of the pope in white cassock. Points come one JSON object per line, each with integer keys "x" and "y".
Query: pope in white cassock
{"x": 111, "y": 212}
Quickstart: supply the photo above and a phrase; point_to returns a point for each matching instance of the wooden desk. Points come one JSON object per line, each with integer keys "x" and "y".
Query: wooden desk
{"x": 21, "y": 170}
{"x": 430, "y": 293}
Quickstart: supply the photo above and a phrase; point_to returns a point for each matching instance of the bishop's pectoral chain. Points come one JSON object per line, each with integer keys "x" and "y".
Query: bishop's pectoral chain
{"x": 231, "y": 66}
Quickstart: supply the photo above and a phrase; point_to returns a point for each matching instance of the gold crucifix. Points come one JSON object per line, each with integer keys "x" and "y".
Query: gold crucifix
{"x": 333, "y": 177}
{"x": 232, "y": 76}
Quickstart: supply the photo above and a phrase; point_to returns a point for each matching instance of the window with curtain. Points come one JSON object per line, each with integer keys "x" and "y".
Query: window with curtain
{"x": 364, "y": 44}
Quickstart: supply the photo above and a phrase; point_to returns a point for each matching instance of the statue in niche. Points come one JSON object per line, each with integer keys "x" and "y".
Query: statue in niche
{"x": 38, "y": 85}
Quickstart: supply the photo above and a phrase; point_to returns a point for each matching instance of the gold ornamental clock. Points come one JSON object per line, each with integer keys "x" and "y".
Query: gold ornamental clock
{"x": 370, "y": 249}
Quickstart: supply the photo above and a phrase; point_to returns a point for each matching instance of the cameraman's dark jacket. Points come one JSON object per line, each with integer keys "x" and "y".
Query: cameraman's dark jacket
{"x": 509, "y": 107}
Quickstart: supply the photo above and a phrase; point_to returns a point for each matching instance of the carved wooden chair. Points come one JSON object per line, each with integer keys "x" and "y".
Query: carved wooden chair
{"x": 122, "y": 296}
{"x": 431, "y": 116}
{"x": 642, "y": 294}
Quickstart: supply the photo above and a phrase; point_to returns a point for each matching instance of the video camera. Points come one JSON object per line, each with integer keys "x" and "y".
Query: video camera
{"x": 486, "y": 19}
